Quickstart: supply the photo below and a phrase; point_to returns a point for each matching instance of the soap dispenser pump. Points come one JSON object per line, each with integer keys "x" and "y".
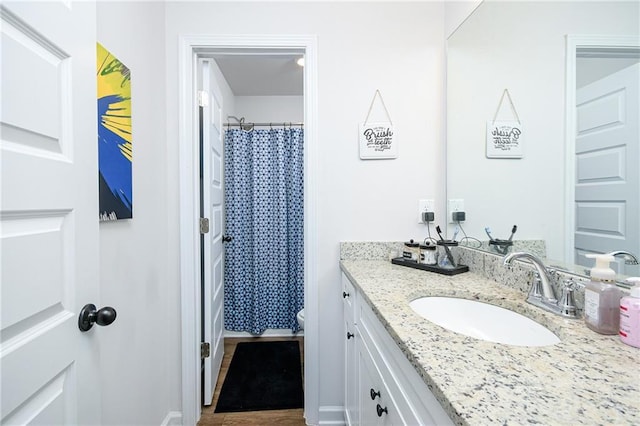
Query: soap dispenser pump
{"x": 602, "y": 297}
{"x": 630, "y": 315}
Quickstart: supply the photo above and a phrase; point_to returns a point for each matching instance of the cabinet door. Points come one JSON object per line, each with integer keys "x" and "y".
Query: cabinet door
{"x": 349, "y": 296}
{"x": 351, "y": 402}
{"x": 377, "y": 406}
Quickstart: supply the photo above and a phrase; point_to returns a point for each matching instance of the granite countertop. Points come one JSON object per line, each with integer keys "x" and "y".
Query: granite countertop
{"x": 588, "y": 378}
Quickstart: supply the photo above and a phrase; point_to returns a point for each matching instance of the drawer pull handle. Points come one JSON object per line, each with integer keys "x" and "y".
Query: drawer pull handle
{"x": 349, "y": 335}
{"x": 381, "y": 410}
{"x": 345, "y": 294}
{"x": 374, "y": 394}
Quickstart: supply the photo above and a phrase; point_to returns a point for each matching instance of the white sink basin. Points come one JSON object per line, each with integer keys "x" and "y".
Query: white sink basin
{"x": 483, "y": 321}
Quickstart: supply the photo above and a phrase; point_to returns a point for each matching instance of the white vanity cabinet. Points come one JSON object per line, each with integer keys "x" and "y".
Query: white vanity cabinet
{"x": 377, "y": 405}
{"x": 381, "y": 386}
{"x": 351, "y": 403}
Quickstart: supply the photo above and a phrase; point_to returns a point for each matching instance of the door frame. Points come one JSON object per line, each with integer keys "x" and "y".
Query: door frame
{"x": 573, "y": 43}
{"x": 190, "y": 48}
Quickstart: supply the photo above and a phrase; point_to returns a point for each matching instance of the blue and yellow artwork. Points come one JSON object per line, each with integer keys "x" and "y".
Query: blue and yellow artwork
{"x": 114, "y": 137}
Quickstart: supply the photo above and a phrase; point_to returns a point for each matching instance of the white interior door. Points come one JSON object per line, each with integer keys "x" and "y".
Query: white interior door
{"x": 607, "y": 187}
{"x": 213, "y": 255}
{"x": 49, "y": 213}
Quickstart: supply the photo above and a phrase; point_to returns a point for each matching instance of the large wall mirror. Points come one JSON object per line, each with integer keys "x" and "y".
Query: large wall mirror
{"x": 572, "y": 70}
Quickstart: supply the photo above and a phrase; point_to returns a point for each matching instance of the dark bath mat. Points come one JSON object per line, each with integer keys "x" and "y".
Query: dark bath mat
{"x": 263, "y": 376}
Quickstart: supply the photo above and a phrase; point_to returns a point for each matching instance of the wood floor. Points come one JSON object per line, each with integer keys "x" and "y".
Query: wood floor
{"x": 278, "y": 417}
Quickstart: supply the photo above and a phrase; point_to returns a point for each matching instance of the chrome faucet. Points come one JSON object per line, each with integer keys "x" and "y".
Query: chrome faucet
{"x": 543, "y": 278}
{"x": 629, "y": 258}
{"x": 542, "y": 293}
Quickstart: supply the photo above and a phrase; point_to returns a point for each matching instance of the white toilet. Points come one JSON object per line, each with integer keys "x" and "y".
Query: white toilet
{"x": 300, "y": 317}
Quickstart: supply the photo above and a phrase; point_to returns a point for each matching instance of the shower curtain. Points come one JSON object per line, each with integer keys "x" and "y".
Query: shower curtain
{"x": 264, "y": 263}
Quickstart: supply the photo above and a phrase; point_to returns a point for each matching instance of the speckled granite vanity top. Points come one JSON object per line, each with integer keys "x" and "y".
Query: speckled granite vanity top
{"x": 586, "y": 379}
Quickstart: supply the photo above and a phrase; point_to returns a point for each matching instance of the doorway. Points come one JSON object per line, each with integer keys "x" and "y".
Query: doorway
{"x": 602, "y": 147}
{"x": 191, "y": 49}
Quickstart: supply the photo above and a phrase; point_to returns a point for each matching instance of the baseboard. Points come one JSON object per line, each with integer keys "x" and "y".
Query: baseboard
{"x": 173, "y": 418}
{"x": 271, "y": 332}
{"x": 331, "y": 415}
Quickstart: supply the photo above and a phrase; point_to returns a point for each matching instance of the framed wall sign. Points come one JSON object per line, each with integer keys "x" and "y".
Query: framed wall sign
{"x": 505, "y": 137}
{"x": 377, "y": 139}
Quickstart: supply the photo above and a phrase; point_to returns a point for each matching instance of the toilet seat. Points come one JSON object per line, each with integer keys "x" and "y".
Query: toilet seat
{"x": 300, "y": 317}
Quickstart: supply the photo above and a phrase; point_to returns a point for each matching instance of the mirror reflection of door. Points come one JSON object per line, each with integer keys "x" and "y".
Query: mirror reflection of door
{"x": 607, "y": 154}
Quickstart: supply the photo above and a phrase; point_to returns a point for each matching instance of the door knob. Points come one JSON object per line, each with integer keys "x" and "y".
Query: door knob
{"x": 226, "y": 239}
{"x": 89, "y": 315}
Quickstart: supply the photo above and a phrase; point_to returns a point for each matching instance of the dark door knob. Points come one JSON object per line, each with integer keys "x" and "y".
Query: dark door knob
{"x": 226, "y": 239}
{"x": 89, "y": 315}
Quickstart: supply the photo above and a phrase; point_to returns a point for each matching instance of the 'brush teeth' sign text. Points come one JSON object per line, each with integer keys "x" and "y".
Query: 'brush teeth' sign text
{"x": 377, "y": 141}
{"x": 504, "y": 139}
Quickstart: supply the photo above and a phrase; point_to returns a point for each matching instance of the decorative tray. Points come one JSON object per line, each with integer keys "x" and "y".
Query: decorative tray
{"x": 431, "y": 268}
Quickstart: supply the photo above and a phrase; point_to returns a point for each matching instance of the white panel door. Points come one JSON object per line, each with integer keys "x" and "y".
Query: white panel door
{"x": 607, "y": 187}
{"x": 48, "y": 213}
{"x": 212, "y": 202}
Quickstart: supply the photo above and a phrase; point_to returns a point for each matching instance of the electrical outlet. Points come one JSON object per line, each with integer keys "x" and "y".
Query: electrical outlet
{"x": 424, "y": 206}
{"x": 455, "y": 205}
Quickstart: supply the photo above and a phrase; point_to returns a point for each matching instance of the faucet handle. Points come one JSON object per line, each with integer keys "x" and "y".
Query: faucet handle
{"x": 567, "y": 302}
{"x": 536, "y": 288}
{"x": 569, "y": 284}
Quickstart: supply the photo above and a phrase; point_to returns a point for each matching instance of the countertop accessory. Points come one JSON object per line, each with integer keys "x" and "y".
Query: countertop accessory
{"x": 459, "y": 269}
{"x": 428, "y": 254}
{"x": 630, "y": 315}
{"x": 602, "y": 297}
{"x": 501, "y": 246}
{"x": 411, "y": 251}
{"x": 445, "y": 245}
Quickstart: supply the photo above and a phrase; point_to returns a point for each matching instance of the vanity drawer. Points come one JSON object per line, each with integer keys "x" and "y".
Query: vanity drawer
{"x": 349, "y": 296}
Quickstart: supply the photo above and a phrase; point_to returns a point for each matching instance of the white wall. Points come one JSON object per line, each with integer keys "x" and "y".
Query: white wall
{"x": 456, "y": 12}
{"x": 267, "y": 109}
{"x": 519, "y": 46}
{"x": 140, "y": 356}
{"x": 394, "y": 47}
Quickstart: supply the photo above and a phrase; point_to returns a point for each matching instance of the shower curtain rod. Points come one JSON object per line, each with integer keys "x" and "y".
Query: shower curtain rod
{"x": 245, "y": 123}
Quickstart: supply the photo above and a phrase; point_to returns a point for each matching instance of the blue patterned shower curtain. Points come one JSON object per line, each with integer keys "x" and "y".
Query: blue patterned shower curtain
{"x": 264, "y": 263}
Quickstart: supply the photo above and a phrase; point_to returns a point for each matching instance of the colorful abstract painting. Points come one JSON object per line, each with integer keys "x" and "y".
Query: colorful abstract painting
{"x": 114, "y": 137}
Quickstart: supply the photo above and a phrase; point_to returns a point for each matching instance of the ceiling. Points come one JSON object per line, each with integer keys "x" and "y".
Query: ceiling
{"x": 262, "y": 75}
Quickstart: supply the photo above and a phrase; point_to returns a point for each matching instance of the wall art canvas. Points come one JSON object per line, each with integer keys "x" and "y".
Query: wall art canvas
{"x": 115, "y": 143}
